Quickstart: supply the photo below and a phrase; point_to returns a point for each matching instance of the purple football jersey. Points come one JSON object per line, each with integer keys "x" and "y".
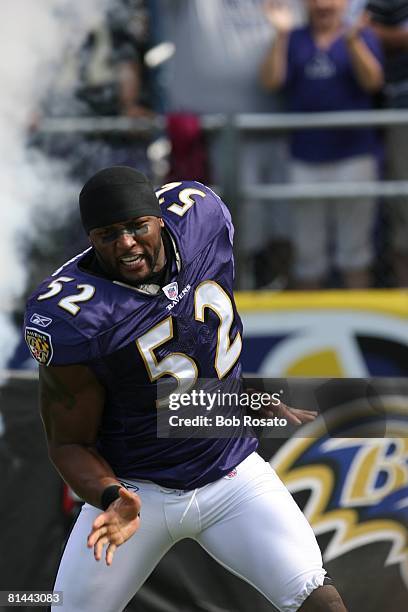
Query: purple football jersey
{"x": 131, "y": 339}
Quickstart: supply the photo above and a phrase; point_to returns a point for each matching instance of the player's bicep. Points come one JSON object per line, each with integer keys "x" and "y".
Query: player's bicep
{"x": 71, "y": 402}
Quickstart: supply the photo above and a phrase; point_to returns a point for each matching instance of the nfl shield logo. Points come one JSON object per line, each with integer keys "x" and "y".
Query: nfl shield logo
{"x": 171, "y": 290}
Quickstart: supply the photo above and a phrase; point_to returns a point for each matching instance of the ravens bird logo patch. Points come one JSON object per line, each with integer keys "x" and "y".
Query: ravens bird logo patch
{"x": 40, "y": 345}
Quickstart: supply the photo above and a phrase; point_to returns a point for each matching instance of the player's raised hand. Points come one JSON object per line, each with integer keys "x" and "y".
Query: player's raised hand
{"x": 295, "y": 416}
{"x": 116, "y": 525}
{"x": 279, "y": 15}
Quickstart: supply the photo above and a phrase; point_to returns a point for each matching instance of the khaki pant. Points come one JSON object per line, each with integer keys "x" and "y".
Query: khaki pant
{"x": 347, "y": 223}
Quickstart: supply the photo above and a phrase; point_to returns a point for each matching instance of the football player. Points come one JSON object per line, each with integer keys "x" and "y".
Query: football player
{"x": 152, "y": 298}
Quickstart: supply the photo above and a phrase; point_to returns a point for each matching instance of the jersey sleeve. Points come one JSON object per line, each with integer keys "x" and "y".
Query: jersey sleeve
{"x": 53, "y": 341}
{"x": 195, "y": 215}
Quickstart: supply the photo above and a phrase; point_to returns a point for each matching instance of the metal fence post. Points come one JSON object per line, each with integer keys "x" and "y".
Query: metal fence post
{"x": 231, "y": 186}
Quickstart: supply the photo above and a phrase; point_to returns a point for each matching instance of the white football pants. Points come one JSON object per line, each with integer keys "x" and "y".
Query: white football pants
{"x": 246, "y": 521}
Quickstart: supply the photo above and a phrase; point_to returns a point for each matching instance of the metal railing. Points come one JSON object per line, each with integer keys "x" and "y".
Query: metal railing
{"x": 230, "y": 128}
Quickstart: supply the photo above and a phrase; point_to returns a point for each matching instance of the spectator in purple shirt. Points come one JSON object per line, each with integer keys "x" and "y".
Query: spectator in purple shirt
{"x": 327, "y": 66}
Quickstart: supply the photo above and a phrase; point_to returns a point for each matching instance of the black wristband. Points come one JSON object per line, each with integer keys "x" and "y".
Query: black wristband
{"x": 109, "y": 495}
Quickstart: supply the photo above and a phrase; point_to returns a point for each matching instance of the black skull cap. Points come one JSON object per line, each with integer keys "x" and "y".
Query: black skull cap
{"x": 114, "y": 195}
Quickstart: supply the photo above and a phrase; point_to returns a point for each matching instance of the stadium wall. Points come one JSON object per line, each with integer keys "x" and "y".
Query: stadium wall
{"x": 328, "y": 333}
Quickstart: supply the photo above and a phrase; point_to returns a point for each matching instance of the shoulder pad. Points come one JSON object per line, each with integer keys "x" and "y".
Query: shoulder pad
{"x": 194, "y": 214}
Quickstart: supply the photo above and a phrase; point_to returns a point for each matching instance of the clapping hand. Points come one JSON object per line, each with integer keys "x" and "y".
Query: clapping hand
{"x": 279, "y": 15}
{"x": 353, "y": 29}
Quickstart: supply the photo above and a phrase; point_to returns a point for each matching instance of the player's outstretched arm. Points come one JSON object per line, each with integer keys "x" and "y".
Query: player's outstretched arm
{"x": 294, "y": 416}
{"x": 116, "y": 525}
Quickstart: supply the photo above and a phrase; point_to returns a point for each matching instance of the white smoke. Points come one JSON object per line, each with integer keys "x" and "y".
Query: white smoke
{"x": 35, "y": 38}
